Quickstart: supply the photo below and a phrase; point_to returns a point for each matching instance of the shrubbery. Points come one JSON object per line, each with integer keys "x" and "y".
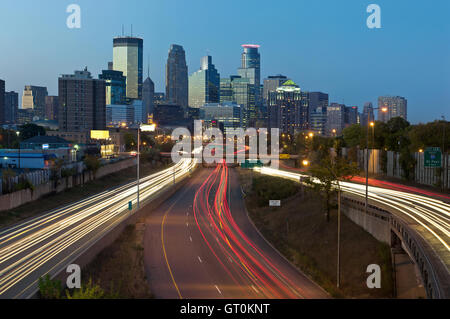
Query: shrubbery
{"x": 267, "y": 188}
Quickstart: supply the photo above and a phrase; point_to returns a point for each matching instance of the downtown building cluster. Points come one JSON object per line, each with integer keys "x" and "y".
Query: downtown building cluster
{"x": 121, "y": 97}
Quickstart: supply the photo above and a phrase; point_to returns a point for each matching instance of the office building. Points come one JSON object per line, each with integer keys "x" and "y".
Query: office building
{"x": 288, "y": 108}
{"x": 82, "y": 102}
{"x": 177, "y": 77}
{"x": 204, "y": 84}
{"x": 228, "y": 114}
{"x": 25, "y": 116}
{"x": 2, "y": 101}
{"x": 367, "y": 114}
{"x": 51, "y": 108}
{"x": 168, "y": 115}
{"x": 318, "y": 103}
{"x": 34, "y": 98}
{"x": 335, "y": 118}
{"x": 148, "y": 96}
{"x": 397, "y": 106}
{"x": 119, "y": 115}
{"x": 127, "y": 57}
{"x": 251, "y": 69}
{"x": 116, "y": 88}
{"x": 159, "y": 98}
{"x": 351, "y": 116}
{"x": 272, "y": 83}
{"x": 11, "y": 107}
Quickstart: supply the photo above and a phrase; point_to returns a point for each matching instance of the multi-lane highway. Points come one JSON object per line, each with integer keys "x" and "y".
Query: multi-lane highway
{"x": 429, "y": 217}
{"x": 201, "y": 244}
{"x": 48, "y": 243}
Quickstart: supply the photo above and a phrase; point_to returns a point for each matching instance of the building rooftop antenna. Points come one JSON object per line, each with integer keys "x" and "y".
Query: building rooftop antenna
{"x": 123, "y": 30}
{"x": 131, "y": 29}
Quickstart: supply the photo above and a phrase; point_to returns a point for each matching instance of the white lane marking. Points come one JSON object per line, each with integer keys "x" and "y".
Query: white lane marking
{"x": 218, "y": 289}
{"x": 190, "y": 238}
{"x": 255, "y": 289}
{"x": 187, "y": 224}
{"x": 199, "y": 259}
{"x": 230, "y": 260}
{"x": 187, "y": 214}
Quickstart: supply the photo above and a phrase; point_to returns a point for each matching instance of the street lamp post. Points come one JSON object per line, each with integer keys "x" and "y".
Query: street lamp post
{"x": 383, "y": 109}
{"x": 138, "y": 163}
{"x": 18, "y": 134}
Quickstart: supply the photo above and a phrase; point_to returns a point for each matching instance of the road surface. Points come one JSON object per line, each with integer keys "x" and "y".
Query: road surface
{"x": 429, "y": 217}
{"x": 201, "y": 244}
{"x": 48, "y": 243}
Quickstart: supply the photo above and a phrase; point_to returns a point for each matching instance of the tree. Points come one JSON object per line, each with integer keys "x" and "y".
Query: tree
{"x": 130, "y": 141}
{"x": 326, "y": 174}
{"x": 31, "y": 130}
{"x": 92, "y": 164}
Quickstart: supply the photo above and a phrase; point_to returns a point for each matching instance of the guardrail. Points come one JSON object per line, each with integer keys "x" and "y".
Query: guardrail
{"x": 433, "y": 272}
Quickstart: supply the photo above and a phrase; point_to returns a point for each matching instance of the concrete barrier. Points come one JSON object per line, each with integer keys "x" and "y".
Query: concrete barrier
{"x": 19, "y": 198}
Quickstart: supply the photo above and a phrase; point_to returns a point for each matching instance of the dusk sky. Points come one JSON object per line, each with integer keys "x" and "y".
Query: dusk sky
{"x": 323, "y": 45}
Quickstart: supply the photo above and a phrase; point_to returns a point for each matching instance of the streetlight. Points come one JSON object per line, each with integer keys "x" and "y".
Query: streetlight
{"x": 305, "y": 162}
{"x": 384, "y": 110}
{"x": 18, "y": 134}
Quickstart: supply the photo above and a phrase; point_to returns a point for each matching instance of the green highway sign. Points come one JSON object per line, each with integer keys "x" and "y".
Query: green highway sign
{"x": 251, "y": 164}
{"x": 432, "y": 157}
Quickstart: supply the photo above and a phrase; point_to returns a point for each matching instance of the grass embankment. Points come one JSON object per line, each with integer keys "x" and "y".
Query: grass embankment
{"x": 299, "y": 230}
{"x": 55, "y": 200}
{"x": 116, "y": 273}
{"x": 119, "y": 268}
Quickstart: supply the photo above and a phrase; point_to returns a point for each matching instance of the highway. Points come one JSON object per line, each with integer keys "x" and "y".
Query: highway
{"x": 49, "y": 242}
{"x": 201, "y": 244}
{"x": 429, "y": 217}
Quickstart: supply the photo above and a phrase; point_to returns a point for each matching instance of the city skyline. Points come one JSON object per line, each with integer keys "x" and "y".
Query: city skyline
{"x": 400, "y": 59}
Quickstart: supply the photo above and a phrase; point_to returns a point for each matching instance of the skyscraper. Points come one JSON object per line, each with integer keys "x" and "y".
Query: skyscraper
{"x": 11, "y": 107}
{"x": 397, "y": 106}
{"x": 318, "y": 103}
{"x": 34, "y": 98}
{"x": 177, "y": 77}
{"x": 81, "y": 102}
{"x": 127, "y": 57}
{"x": 368, "y": 114}
{"x": 51, "y": 108}
{"x": 148, "y": 95}
{"x": 251, "y": 69}
{"x": 2, "y": 101}
{"x": 272, "y": 83}
{"x": 115, "y": 86}
{"x": 335, "y": 118}
{"x": 204, "y": 84}
{"x": 288, "y": 108}
{"x": 351, "y": 116}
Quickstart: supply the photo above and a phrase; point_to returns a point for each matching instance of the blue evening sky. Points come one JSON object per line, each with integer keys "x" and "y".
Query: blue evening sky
{"x": 323, "y": 45}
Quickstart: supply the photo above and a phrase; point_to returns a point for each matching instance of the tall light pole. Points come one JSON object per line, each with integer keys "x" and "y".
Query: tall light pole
{"x": 444, "y": 156}
{"x": 138, "y": 162}
{"x": 383, "y": 109}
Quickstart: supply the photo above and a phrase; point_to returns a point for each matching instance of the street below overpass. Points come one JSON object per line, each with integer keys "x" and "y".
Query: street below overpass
{"x": 201, "y": 244}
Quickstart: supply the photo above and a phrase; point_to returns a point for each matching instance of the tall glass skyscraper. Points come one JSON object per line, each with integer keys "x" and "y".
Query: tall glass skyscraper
{"x": 127, "y": 57}
{"x": 115, "y": 86}
{"x": 251, "y": 69}
{"x": 177, "y": 77}
{"x": 204, "y": 84}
